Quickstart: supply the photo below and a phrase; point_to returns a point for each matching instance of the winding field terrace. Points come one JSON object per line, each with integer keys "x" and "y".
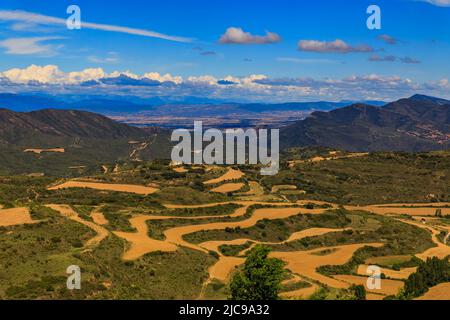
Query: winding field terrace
{"x": 170, "y": 234}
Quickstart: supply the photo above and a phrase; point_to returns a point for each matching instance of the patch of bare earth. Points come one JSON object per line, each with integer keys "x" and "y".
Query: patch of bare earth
{"x": 388, "y": 287}
{"x": 439, "y": 292}
{"x": 231, "y": 174}
{"x": 393, "y": 274}
{"x": 39, "y": 151}
{"x": 305, "y": 263}
{"x": 140, "y": 242}
{"x": 131, "y": 188}
{"x": 15, "y": 216}
{"x": 228, "y": 187}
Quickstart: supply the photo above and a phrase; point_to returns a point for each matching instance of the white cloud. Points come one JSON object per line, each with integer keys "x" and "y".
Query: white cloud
{"x": 46, "y": 74}
{"x": 254, "y": 87}
{"x": 30, "y": 17}
{"x": 439, "y": 3}
{"x": 163, "y": 78}
{"x": 336, "y": 46}
{"x": 238, "y": 36}
{"x": 33, "y": 45}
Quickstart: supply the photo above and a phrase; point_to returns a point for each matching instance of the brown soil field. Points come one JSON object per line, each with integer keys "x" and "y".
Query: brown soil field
{"x": 373, "y": 296}
{"x": 106, "y": 186}
{"x": 69, "y": 213}
{"x": 388, "y": 287}
{"x": 439, "y": 292}
{"x": 305, "y": 263}
{"x": 283, "y": 187}
{"x": 302, "y": 293}
{"x": 39, "y": 151}
{"x": 15, "y": 216}
{"x": 232, "y": 174}
{"x": 140, "y": 243}
{"x": 175, "y": 235}
{"x": 394, "y": 274}
{"x": 223, "y": 268}
{"x": 98, "y": 217}
{"x": 409, "y": 211}
{"x": 228, "y": 187}
{"x": 214, "y": 245}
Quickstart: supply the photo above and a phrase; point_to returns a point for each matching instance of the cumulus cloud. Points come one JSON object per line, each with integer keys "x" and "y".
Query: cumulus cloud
{"x": 250, "y": 88}
{"x": 336, "y": 46}
{"x": 33, "y": 45}
{"x": 238, "y": 36}
{"x": 31, "y": 17}
{"x": 387, "y": 38}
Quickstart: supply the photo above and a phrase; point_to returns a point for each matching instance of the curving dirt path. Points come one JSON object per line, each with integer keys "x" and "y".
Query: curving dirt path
{"x": 175, "y": 235}
{"x": 98, "y": 216}
{"x": 305, "y": 263}
{"x": 441, "y": 250}
{"x": 69, "y": 213}
{"x": 311, "y": 232}
{"x": 394, "y": 274}
{"x": 131, "y": 188}
{"x": 140, "y": 242}
{"x": 39, "y": 151}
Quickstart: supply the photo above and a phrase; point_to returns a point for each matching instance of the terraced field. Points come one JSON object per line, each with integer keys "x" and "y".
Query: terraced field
{"x": 126, "y": 229}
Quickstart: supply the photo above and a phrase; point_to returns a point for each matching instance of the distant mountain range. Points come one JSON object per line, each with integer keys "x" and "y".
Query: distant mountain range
{"x": 419, "y": 123}
{"x": 163, "y": 106}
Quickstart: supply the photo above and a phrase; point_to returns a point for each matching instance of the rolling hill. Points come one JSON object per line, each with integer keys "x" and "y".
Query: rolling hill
{"x": 86, "y": 139}
{"x": 419, "y": 123}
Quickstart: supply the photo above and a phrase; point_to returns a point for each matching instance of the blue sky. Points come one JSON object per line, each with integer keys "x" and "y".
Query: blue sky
{"x": 277, "y": 51}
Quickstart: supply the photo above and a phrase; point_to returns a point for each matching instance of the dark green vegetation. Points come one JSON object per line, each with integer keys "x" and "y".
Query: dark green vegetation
{"x": 419, "y": 123}
{"x": 89, "y": 140}
{"x": 383, "y": 177}
{"x": 233, "y": 250}
{"x": 260, "y": 278}
{"x": 274, "y": 230}
{"x": 429, "y": 274}
{"x": 34, "y": 259}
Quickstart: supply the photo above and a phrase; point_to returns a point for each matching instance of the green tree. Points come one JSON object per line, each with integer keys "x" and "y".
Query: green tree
{"x": 438, "y": 213}
{"x": 260, "y": 278}
{"x": 359, "y": 291}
